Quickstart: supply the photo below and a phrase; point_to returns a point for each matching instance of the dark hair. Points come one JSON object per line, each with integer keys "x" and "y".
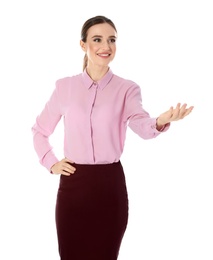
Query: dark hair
{"x": 89, "y": 23}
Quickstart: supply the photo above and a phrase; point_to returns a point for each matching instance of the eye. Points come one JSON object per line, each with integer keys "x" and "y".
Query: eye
{"x": 113, "y": 40}
{"x": 97, "y": 40}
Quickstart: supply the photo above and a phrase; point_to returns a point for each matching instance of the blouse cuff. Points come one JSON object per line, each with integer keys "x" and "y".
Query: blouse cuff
{"x": 164, "y": 128}
{"x": 49, "y": 160}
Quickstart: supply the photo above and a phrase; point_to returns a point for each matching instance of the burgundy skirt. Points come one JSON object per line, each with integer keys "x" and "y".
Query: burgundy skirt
{"x": 92, "y": 212}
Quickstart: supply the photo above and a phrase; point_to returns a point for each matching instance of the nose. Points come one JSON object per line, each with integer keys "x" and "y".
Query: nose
{"x": 105, "y": 44}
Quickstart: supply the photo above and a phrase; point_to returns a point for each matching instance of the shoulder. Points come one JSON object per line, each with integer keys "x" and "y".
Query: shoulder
{"x": 68, "y": 81}
{"x": 125, "y": 83}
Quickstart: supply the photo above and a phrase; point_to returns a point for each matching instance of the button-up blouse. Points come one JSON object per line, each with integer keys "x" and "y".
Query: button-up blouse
{"x": 95, "y": 115}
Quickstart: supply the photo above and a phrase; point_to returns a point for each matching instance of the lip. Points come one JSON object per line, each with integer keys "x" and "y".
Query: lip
{"x": 104, "y": 55}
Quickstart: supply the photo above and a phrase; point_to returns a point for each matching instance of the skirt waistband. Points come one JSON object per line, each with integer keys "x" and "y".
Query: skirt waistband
{"x": 105, "y": 165}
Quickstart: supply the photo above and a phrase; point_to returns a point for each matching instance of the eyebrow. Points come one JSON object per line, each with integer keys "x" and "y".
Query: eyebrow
{"x": 95, "y": 36}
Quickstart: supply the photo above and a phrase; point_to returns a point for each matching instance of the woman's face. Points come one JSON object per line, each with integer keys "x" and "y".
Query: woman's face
{"x": 100, "y": 45}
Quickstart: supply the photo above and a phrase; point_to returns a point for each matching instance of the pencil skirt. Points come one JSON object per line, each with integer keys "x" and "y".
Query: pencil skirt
{"x": 92, "y": 212}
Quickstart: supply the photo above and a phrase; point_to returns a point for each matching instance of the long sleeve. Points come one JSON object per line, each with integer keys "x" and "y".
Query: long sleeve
{"x": 139, "y": 119}
{"x": 44, "y": 127}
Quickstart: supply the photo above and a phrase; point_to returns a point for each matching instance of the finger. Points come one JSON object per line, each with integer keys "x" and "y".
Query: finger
{"x": 57, "y": 172}
{"x": 63, "y": 167}
{"x": 68, "y": 167}
{"x": 178, "y": 105}
{"x": 176, "y": 111}
{"x": 183, "y": 107}
{"x": 65, "y": 173}
{"x": 191, "y": 108}
{"x": 186, "y": 111}
{"x": 182, "y": 111}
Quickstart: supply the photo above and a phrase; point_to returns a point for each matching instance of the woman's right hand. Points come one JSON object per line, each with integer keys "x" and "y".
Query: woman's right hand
{"x": 63, "y": 167}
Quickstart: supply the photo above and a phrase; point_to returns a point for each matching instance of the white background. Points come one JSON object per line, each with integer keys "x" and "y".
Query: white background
{"x": 164, "y": 46}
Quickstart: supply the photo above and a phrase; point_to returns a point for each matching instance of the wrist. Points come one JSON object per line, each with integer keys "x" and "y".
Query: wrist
{"x": 159, "y": 122}
{"x": 160, "y": 125}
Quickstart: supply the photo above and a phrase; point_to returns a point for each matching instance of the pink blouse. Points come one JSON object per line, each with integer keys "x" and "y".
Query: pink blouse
{"x": 96, "y": 116}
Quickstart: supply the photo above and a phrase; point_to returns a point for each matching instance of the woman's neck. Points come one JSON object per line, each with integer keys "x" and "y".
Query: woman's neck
{"x": 97, "y": 74}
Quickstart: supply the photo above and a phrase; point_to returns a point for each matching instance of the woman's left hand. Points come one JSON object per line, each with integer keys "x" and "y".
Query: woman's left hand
{"x": 173, "y": 114}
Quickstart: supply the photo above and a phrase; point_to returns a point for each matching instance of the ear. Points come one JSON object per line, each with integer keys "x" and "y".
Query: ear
{"x": 83, "y": 47}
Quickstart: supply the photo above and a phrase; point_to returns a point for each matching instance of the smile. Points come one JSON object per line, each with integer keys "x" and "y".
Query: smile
{"x": 104, "y": 54}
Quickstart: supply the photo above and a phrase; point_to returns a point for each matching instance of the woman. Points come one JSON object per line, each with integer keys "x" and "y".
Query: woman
{"x": 97, "y": 106}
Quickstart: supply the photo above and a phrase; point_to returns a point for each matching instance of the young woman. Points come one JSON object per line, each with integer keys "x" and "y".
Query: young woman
{"x": 96, "y": 106}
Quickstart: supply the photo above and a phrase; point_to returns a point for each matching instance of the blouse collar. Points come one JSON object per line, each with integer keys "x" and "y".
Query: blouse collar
{"x": 88, "y": 82}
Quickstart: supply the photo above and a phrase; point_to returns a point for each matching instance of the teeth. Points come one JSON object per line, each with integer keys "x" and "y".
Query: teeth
{"x": 103, "y": 55}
